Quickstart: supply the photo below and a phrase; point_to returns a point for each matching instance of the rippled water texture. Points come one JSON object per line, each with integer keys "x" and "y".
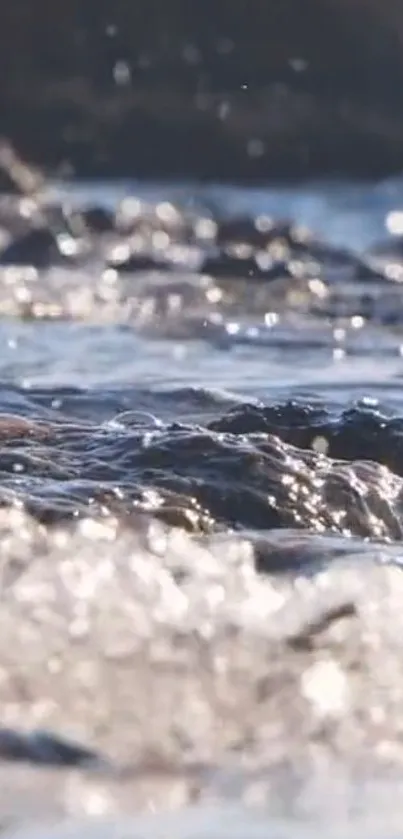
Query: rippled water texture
{"x": 201, "y": 510}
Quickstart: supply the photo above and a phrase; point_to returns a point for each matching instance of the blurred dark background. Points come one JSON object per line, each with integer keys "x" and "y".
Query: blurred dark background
{"x": 238, "y": 89}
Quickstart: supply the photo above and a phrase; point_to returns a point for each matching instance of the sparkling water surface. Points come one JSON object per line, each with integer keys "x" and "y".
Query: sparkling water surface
{"x": 202, "y": 518}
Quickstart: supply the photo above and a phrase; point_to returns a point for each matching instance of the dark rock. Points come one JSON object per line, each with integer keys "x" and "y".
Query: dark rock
{"x": 369, "y": 273}
{"x": 39, "y": 247}
{"x": 98, "y": 219}
{"x": 225, "y": 265}
{"x": 36, "y": 247}
{"x": 43, "y": 748}
{"x": 328, "y": 255}
{"x": 139, "y": 262}
{"x": 243, "y": 229}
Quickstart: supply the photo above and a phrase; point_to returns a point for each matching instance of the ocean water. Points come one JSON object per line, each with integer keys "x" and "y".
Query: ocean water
{"x": 201, "y": 511}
